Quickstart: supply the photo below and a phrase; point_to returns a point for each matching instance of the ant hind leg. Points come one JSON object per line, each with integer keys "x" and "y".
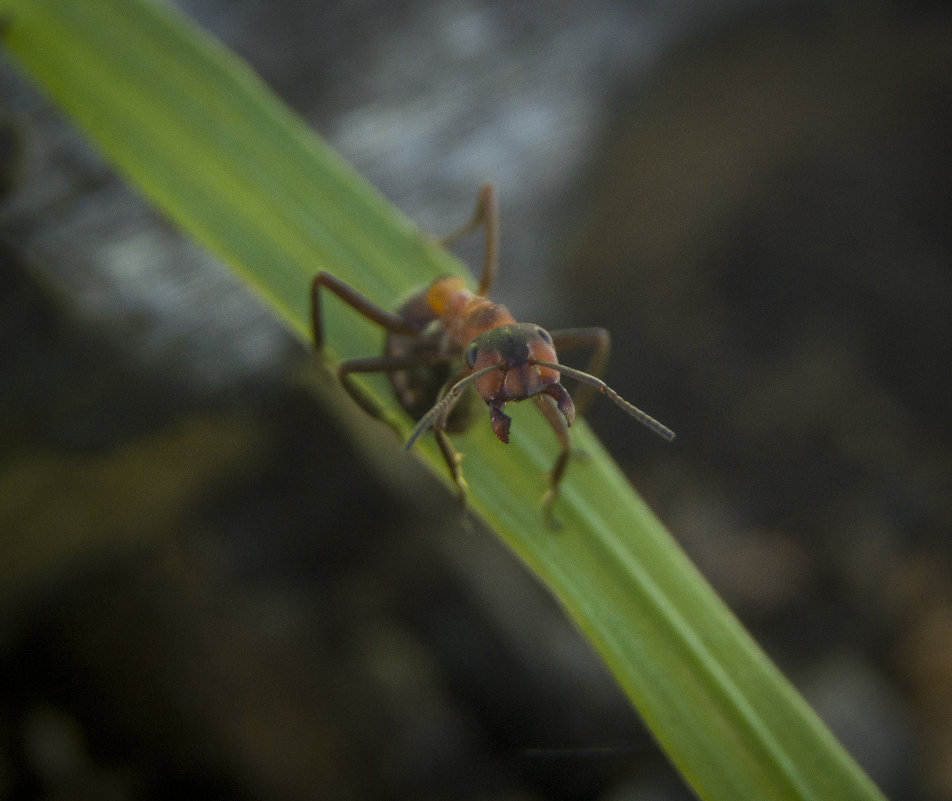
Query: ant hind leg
{"x": 486, "y": 214}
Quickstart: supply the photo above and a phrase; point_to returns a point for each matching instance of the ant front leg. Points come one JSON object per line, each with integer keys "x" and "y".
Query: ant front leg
{"x": 453, "y": 460}
{"x": 486, "y": 214}
{"x": 451, "y": 455}
{"x": 555, "y": 419}
{"x": 599, "y": 340}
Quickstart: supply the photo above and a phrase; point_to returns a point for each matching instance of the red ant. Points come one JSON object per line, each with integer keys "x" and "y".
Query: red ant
{"x": 444, "y": 338}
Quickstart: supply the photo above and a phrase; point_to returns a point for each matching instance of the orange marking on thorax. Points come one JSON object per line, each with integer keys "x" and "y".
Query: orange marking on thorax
{"x": 463, "y": 314}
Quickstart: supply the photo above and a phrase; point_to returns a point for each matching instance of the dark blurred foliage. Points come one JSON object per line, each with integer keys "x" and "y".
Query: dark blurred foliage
{"x": 214, "y": 585}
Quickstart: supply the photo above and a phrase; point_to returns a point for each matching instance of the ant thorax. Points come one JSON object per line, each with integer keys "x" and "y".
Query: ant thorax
{"x": 464, "y": 314}
{"x": 438, "y": 364}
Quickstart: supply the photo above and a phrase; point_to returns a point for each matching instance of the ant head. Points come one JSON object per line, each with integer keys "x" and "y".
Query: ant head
{"x": 517, "y": 361}
{"x": 515, "y": 351}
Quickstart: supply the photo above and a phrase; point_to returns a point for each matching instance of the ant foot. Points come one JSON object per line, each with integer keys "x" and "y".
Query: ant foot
{"x": 548, "y": 501}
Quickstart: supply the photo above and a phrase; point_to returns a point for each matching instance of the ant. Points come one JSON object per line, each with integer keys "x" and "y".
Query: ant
{"x": 444, "y": 339}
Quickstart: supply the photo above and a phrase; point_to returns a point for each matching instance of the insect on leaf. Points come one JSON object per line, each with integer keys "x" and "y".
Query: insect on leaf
{"x": 204, "y": 139}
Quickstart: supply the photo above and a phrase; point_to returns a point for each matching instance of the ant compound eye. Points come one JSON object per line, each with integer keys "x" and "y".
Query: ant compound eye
{"x": 544, "y": 335}
{"x": 471, "y": 354}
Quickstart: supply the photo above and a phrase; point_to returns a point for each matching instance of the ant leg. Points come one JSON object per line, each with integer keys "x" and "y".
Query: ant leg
{"x": 453, "y": 461}
{"x": 452, "y": 456}
{"x": 557, "y": 421}
{"x": 486, "y": 214}
{"x": 363, "y": 305}
{"x": 599, "y": 340}
{"x": 375, "y": 364}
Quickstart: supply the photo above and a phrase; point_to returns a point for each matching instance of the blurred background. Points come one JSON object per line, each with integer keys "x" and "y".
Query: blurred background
{"x": 218, "y": 580}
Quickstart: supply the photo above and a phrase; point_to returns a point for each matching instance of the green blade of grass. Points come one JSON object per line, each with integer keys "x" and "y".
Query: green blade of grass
{"x": 204, "y": 139}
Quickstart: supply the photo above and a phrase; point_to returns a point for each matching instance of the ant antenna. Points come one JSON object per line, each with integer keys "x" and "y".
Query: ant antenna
{"x": 442, "y": 409}
{"x": 642, "y": 417}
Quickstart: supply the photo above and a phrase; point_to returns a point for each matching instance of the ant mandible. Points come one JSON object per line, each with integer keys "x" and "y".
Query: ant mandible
{"x": 444, "y": 338}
